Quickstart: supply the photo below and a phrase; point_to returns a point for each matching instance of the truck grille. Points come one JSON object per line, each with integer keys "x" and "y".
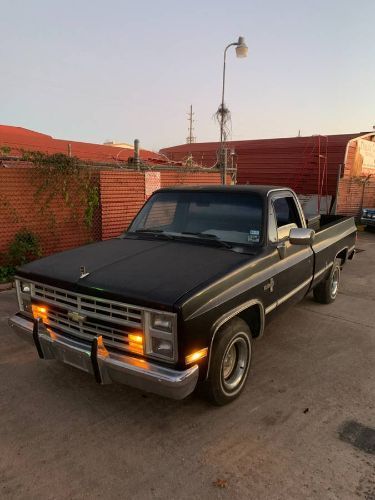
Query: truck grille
{"x": 113, "y": 320}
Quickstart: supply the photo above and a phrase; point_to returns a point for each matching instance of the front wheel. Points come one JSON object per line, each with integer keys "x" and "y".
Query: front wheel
{"x": 230, "y": 362}
{"x": 326, "y": 292}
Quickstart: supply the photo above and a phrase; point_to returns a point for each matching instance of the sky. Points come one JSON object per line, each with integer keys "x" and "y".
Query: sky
{"x": 92, "y": 70}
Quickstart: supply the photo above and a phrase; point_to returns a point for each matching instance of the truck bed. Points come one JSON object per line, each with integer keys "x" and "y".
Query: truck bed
{"x": 320, "y": 222}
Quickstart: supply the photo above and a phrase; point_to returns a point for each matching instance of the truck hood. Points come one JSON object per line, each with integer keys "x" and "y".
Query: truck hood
{"x": 140, "y": 271}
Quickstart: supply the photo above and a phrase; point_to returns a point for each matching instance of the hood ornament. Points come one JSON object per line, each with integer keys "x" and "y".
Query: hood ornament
{"x": 83, "y": 273}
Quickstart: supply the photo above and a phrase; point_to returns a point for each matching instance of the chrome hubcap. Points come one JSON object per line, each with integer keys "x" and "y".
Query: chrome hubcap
{"x": 229, "y": 362}
{"x": 235, "y": 363}
{"x": 335, "y": 283}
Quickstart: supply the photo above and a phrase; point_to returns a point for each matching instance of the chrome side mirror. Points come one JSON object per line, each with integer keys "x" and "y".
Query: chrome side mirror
{"x": 301, "y": 236}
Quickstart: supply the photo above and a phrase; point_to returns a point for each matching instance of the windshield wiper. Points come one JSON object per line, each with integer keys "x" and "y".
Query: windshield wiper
{"x": 208, "y": 236}
{"x": 149, "y": 231}
{"x": 152, "y": 232}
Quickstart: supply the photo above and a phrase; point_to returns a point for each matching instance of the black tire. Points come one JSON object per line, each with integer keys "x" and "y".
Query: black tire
{"x": 326, "y": 292}
{"x": 226, "y": 378}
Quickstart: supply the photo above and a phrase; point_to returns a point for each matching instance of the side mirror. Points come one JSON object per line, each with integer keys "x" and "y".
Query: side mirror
{"x": 301, "y": 236}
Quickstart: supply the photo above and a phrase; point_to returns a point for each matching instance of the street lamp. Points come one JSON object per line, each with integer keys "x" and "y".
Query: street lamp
{"x": 241, "y": 51}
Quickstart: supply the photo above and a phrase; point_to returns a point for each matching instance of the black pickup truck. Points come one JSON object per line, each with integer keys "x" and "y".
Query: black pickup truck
{"x": 179, "y": 298}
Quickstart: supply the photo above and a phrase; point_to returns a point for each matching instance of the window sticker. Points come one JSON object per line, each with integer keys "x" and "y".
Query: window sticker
{"x": 253, "y": 236}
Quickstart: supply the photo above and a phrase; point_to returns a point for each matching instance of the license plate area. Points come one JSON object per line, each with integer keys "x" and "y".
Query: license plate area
{"x": 78, "y": 359}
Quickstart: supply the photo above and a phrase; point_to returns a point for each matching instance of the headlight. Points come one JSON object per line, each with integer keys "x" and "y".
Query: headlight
{"x": 161, "y": 322}
{"x": 24, "y": 295}
{"x": 25, "y": 287}
{"x": 160, "y": 332}
{"x": 162, "y": 347}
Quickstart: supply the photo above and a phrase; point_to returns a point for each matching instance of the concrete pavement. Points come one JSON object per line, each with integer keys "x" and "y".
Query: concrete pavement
{"x": 294, "y": 433}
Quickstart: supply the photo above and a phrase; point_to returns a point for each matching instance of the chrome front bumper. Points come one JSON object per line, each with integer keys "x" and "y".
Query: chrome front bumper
{"x": 106, "y": 366}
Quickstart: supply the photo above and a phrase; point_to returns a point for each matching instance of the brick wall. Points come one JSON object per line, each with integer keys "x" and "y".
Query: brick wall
{"x": 174, "y": 178}
{"x": 122, "y": 194}
{"x": 356, "y": 189}
{"x": 58, "y": 227}
{"x": 352, "y": 190}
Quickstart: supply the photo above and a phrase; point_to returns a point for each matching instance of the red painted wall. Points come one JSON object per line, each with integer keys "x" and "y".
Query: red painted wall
{"x": 122, "y": 194}
{"x": 19, "y": 209}
{"x": 290, "y": 161}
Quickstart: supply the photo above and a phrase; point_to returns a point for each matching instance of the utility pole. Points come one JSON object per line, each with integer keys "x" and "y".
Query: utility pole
{"x": 190, "y": 139}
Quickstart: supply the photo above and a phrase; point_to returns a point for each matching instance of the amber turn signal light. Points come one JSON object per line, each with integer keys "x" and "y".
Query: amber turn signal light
{"x": 135, "y": 343}
{"x": 195, "y": 356}
{"x": 39, "y": 312}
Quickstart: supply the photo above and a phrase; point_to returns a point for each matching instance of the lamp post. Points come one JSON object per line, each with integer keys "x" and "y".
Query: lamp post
{"x": 241, "y": 51}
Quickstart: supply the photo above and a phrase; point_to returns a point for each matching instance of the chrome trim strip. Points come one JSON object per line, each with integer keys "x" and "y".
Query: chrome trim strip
{"x": 271, "y": 307}
{"x": 291, "y": 194}
{"x": 231, "y": 314}
{"x": 18, "y": 290}
{"x": 322, "y": 271}
{"x": 286, "y": 297}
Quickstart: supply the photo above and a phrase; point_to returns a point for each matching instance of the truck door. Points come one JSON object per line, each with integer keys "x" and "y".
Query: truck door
{"x": 293, "y": 264}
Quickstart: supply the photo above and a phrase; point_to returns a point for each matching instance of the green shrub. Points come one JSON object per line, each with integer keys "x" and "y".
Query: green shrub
{"x": 6, "y": 274}
{"x": 24, "y": 248}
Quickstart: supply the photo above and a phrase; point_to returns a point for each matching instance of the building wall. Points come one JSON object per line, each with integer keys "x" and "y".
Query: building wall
{"x": 122, "y": 194}
{"x": 289, "y": 161}
{"x": 58, "y": 228}
{"x": 356, "y": 189}
{"x": 294, "y": 162}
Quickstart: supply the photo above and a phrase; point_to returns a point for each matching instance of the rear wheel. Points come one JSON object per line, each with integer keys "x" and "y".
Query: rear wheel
{"x": 230, "y": 362}
{"x": 326, "y": 292}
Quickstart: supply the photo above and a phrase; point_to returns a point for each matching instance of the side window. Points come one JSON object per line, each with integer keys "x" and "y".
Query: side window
{"x": 286, "y": 212}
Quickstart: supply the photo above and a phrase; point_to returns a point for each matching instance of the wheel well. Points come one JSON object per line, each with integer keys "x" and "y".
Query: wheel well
{"x": 342, "y": 255}
{"x": 253, "y": 317}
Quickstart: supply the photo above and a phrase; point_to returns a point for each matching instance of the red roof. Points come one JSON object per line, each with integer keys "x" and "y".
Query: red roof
{"x": 18, "y": 139}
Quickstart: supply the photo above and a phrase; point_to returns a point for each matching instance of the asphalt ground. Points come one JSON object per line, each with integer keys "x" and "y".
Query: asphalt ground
{"x": 303, "y": 427}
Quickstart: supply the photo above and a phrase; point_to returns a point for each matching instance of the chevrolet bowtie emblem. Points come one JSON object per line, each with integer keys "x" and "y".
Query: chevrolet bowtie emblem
{"x": 75, "y": 316}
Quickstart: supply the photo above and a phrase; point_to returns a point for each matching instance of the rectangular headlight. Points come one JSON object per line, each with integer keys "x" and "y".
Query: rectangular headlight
{"x": 161, "y": 335}
{"x": 161, "y": 322}
{"x": 25, "y": 287}
{"x": 162, "y": 347}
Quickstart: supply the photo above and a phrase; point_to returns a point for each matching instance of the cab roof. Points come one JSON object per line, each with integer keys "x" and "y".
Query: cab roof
{"x": 262, "y": 190}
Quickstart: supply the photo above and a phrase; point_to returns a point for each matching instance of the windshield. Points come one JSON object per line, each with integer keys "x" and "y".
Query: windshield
{"x": 227, "y": 216}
